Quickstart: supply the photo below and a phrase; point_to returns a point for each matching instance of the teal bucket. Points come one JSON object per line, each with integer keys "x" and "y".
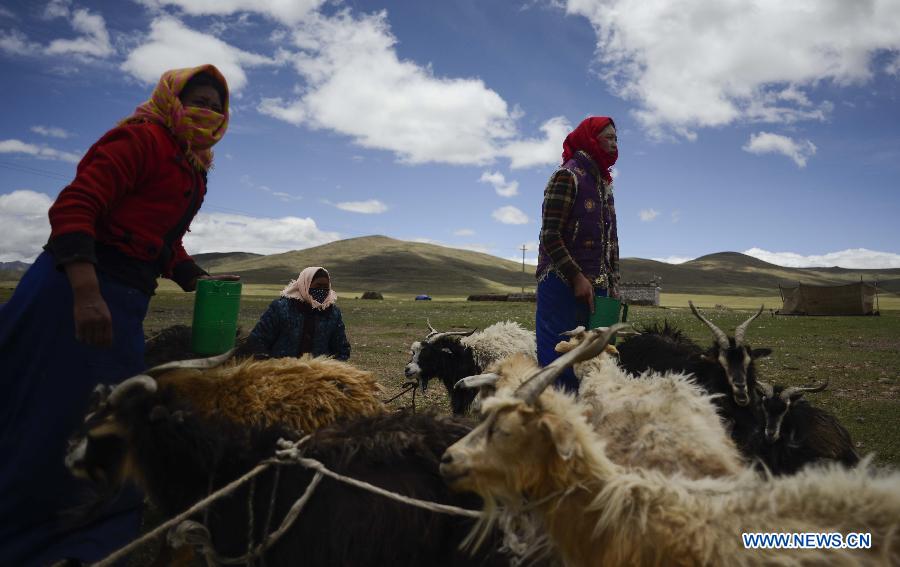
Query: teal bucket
{"x": 216, "y": 307}
{"x": 607, "y": 312}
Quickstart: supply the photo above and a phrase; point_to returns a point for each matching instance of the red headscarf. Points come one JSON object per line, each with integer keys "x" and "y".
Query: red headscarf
{"x": 584, "y": 138}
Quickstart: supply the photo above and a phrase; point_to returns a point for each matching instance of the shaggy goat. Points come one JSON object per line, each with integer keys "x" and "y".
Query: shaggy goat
{"x": 727, "y": 368}
{"x": 451, "y": 356}
{"x": 600, "y": 513}
{"x": 660, "y": 421}
{"x": 300, "y": 394}
{"x": 152, "y": 439}
{"x": 797, "y": 433}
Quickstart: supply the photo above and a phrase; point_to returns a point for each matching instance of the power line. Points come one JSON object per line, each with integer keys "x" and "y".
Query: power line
{"x": 33, "y": 170}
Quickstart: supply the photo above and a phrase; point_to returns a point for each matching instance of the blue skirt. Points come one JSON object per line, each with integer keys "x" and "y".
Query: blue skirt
{"x": 557, "y": 312}
{"x": 47, "y": 377}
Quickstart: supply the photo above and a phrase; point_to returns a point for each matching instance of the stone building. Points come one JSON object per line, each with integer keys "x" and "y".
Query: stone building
{"x": 640, "y": 293}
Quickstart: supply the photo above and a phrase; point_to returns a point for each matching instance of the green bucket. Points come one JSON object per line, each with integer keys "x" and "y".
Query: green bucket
{"x": 216, "y": 306}
{"x": 607, "y": 312}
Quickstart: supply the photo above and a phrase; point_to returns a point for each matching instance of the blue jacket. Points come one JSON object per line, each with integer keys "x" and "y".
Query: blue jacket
{"x": 279, "y": 330}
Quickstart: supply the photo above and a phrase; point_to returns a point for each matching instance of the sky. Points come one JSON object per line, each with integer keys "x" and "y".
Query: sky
{"x": 765, "y": 127}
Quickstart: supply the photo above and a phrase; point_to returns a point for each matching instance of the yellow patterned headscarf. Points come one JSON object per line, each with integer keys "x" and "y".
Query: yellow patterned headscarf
{"x": 196, "y": 129}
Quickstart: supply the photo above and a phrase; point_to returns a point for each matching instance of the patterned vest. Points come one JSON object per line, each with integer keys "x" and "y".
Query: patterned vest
{"x": 590, "y": 234}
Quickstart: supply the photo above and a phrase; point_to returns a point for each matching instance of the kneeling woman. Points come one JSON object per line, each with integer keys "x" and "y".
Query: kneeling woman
{"x": 304, "y": 320}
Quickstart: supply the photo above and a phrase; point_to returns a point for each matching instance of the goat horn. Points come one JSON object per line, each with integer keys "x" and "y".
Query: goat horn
{"x": 574, "y": 332}
{"x": 199, "y": 363}
{"x": 139, "y": 381}
{"x": 592, "y": 346}
{"x": 720, "y": 336}
{"x": 477, "y": 381}
{"x": 765, "y": 388}
{"x": 433, "y": 338}
{"x": 431, "y": 330}
{"x": 742, "y": 328}
{"x": 788, "y": 392}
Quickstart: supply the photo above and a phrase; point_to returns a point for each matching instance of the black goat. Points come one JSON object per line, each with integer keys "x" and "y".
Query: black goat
{"x": 452, "y": 356}
{"x": 726, "y": 368}
{"x": 795, "y": 433}
{"x": 136, "y": 433}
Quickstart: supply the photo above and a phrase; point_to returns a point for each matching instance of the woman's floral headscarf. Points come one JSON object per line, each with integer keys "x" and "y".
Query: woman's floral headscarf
{"x": 196, "y": 129}
{"x": 299, "y": 289}
{"x": 584, "y": 138}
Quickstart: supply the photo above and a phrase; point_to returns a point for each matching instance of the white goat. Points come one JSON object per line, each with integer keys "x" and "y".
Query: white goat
{"x": 598, "y": 512}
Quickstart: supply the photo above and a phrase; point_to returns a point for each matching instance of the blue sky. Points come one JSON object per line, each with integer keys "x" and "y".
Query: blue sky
{"x": 769, "y": 128}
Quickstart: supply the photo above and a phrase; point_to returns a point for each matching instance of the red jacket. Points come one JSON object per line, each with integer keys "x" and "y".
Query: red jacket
{"x": 133, "y": 191}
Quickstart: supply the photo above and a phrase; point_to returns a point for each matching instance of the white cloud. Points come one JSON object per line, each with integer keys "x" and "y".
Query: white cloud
{"x": 51, "y": 131}
{"x": 247, "y": 182}
{"x": 41, "y": 152}
{"x": 510, "y": 215}
{"x": 350, "y": 62}
{"x": 285, "y": 11}
{"x": 674, "y": 259}
{"x": 503, "y": 187}
{"x": 696, "y": 64}
{"x": 23, "y": 215}
{"x": 6, "y": 13}
{"x": 648, "y": 215}
{"x": 221, "y": 232}
{"x": 852, "y": 258}
{"x": 767, "y": 143}
{"x": 369, "y": 207}
{"x": 171, "y": 44}
{"x": 464, "y": 232}
{"x": 15, "y": 42}
{"x": 536, "y": 152}
{"x": 893, "y": 68}
{"x": 93, "y": 42}
{"x": 56, "y": 9}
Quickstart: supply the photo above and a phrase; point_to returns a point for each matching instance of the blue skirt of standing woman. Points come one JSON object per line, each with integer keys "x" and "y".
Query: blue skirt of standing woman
{"x": 557, "y": 312}
{"x": 38, "y": 415}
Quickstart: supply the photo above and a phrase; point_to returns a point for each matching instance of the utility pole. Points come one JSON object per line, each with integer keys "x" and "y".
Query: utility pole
{"x": 523, "y": 269}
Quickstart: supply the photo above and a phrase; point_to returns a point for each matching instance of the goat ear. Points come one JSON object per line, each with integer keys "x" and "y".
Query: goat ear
{"x": 561, "y": 433}
{"x": 760, "y": 353}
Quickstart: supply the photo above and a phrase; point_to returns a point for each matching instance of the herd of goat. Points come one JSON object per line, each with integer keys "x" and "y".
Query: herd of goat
{"x": 666, "y": 455}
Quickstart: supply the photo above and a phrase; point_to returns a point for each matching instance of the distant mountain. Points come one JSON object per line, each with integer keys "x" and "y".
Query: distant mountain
{"x": 733, "y": 273}
{"x": 12, "y": 270}
{"x": 384, "y": 264}
{"x": 379, "y": 263}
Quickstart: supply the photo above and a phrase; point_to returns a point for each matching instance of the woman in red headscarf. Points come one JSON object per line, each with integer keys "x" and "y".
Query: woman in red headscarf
{"x": 76, "y": 317}
{"x": 579, "y": 249}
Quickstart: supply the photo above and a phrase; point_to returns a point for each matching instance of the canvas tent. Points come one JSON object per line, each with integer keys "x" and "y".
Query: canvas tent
{"x": 852, "y": 299}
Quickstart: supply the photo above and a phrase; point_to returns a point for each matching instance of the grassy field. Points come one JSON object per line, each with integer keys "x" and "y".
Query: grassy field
{"x": 859, "y": 356}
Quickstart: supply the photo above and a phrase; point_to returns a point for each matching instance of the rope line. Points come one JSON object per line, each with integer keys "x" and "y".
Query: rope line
{"x": 187, "y": 531}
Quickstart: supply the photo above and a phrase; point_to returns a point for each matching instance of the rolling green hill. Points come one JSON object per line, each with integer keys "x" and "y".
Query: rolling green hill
{"x": 379, "y": 263}
{"x": 384, "y": 264}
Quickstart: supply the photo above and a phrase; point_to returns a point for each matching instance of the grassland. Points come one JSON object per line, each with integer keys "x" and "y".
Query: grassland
{"x": 859, "y": 356}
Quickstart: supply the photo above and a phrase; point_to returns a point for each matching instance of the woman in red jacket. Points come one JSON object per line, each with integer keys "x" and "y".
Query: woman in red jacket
{"x": 76, "y": 317}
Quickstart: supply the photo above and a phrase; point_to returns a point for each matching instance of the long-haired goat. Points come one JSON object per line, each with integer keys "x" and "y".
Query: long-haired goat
{"x": 726, "y": 368}
{"x": 302, "y": 394}
{"x": 140, "y": 434}
{"x": 600, "y": 513}
{"x": 796, "y": 433}
{"x": 450, "y": 356}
